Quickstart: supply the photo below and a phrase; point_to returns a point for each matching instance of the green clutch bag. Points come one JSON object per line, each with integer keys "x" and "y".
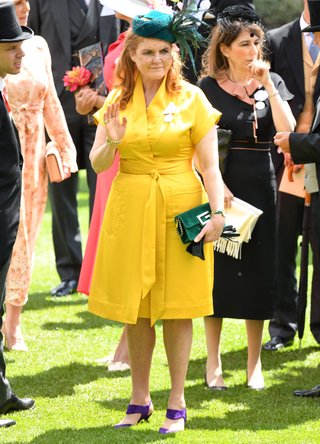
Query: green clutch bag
{"x": 190, "y": 223}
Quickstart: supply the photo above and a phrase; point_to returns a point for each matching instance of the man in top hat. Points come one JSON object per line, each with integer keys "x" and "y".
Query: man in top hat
{"x": 305, "y": 149}
{"x": 11, "y": 53}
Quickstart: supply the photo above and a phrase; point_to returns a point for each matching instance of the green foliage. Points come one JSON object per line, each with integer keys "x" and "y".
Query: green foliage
{"x": 275, "y": 13}
{"x": 79, "y": 401}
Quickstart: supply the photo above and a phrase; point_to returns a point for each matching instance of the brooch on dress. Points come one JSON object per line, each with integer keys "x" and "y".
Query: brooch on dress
{"x": 260, "y": 96}
{"x": 169, "y": 111}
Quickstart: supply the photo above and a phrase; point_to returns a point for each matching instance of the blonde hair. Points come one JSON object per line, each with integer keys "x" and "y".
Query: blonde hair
{"x": 214, "y": 62}
{"x": 126, "y": 70}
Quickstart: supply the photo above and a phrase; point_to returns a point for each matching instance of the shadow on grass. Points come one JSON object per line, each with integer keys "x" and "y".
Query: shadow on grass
{"x": 240, "y": 408}
{"x": 61, "y": 381}
{"x": 89, "y": 321}
{"x": 237, "y": 360}
{"x": 41, "y": 301}
{"x": 98, "y": 435}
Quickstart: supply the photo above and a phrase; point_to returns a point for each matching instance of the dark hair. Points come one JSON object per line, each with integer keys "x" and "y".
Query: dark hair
{"x": 214, "y": 63}
{"x": 126, "y": 70}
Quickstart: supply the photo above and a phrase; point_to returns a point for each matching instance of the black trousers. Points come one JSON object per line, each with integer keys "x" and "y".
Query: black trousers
{"x": 63, "y": 195}
{"x": 290, "y": 215}
{"x": 5, "y": 390}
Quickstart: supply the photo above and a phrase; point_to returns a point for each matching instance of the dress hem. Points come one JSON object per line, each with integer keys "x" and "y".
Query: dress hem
{"x": 100, "y": 309}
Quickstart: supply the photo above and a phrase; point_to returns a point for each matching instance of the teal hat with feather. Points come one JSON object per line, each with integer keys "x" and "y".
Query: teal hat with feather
{"x": 155, "y": 25}
{"x": 181, "y": 28}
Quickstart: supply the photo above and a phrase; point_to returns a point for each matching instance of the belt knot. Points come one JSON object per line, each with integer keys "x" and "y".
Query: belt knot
{"x": 155, "y": 174}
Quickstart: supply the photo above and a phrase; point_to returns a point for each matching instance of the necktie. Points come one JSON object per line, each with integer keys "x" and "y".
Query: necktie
{"x": 5, "y": 98}
{"x": 313, "y": 49}
{"x": 83, "y": 5}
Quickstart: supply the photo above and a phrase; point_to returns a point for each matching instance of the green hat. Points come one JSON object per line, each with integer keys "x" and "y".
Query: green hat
{"x": 155, "y": 25}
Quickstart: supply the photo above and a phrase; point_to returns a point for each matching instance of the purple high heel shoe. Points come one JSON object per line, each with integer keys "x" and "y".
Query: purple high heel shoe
{"x": 174, "y": 414}
{"x": 143, "y": 409}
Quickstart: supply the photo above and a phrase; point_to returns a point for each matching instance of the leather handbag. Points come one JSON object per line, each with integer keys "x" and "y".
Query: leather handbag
{"x": 54, "y": 164}
{"x": 224, "y": 146}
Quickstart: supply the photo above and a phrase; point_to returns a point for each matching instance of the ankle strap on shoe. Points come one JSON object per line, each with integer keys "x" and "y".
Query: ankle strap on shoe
{"x": 177, "y": 414}
{"x": 143, "y": 409}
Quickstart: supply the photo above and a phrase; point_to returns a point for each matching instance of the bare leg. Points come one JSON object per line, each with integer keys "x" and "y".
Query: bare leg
{"x": 11, "y": 328}
{"x": 121, "y": 353}
{"x": 177, "y": 335}
{"x": 141, "y": 341}
{"x": 213, "y": 328}
{"x": 254, "y": 334}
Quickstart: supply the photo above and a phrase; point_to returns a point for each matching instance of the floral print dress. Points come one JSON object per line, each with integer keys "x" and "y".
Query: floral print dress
{"x": 35, "y": 106}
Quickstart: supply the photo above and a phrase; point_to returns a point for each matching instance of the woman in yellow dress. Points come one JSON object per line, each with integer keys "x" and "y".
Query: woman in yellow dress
{"x": 142, "y": 272}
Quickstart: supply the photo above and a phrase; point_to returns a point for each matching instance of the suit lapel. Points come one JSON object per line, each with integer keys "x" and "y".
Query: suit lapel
{"x": 109, "y": 30}
{"x": 293, "y": 46}
{"x": 317, "y": 85}
{"x": 316, "y": 117}
{"x": 60, "y": 13}
{"x": 91, "y": 21}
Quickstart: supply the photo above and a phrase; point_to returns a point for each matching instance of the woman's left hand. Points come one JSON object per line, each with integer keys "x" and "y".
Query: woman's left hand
{"x": 282, "y": 141}
{"x": 260, "y": 71}
{"x": 212, "y": 230}
{"x": 66, "y": 172}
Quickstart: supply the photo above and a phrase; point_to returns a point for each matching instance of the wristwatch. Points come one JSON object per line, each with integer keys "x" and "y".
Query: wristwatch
{"x": 222, "y": 212}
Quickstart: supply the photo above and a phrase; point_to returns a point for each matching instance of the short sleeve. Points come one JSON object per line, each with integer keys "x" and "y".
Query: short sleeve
{"x": 205, "y": 116}
{"x": 112, "y": 97}
{"x": 281, "y": 87}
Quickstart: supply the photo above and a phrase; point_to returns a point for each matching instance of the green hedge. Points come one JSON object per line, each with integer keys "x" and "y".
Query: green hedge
{"x": 275, "y": 13}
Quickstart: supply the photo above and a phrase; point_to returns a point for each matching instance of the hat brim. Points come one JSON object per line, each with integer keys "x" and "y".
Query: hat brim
{"x": 127, "y": 7}
{"x": 26, "y": 34}
{"x": 310, "y": 28}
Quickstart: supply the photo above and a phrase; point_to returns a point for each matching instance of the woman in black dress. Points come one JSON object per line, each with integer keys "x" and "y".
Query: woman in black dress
{"x": 251, "y": 100}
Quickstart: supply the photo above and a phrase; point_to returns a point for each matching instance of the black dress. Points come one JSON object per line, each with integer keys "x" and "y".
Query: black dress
{"x": 245, "y": 288}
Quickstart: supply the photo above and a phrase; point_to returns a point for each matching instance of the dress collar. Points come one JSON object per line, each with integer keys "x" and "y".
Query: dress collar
{"x": 240, "y": 91}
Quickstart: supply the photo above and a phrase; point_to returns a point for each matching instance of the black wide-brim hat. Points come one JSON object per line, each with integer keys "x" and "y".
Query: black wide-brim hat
{"x": 314, "y": 9}
{"x": 10, "y": 29}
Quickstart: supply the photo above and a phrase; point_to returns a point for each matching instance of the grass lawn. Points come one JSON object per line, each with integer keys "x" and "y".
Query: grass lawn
{"x": 78, "y": 401}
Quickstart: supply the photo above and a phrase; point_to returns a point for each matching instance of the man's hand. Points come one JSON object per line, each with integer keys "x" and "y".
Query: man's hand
{"x": 86, "y": 99}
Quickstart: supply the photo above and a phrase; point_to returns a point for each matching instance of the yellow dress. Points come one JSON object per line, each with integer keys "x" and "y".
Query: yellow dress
{"x": 142, "y": 268}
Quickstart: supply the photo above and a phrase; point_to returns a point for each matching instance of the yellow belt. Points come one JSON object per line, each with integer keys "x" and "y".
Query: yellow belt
{"x": 154, "y": 232}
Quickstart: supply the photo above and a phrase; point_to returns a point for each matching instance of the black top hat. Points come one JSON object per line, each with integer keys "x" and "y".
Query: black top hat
{"x": 314, "y": 9}
{"x": 10, "y": 29}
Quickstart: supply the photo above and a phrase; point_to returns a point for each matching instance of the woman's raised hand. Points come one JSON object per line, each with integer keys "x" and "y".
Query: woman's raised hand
{"x": 260, "y": 71}
{"x": 115, "y": 129}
